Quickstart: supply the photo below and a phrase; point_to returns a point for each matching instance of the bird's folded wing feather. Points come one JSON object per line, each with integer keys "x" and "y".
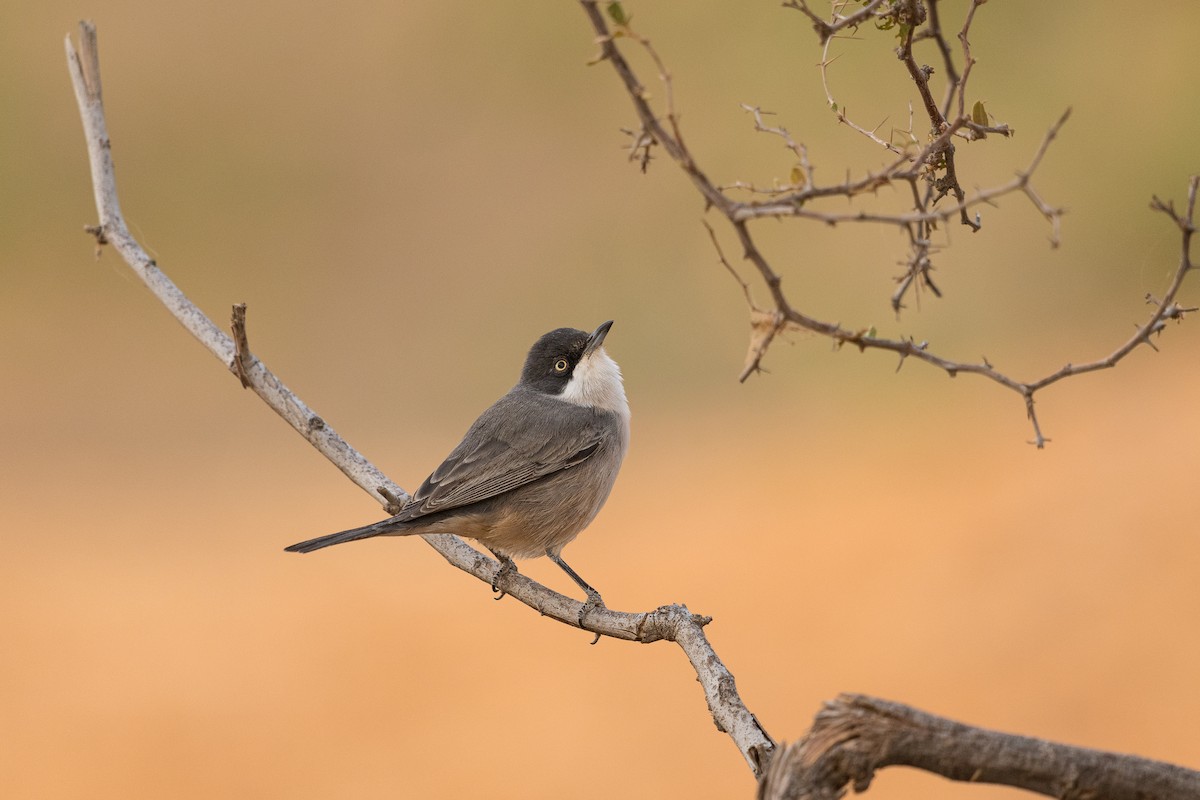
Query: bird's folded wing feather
{"x": 507, "y": 448}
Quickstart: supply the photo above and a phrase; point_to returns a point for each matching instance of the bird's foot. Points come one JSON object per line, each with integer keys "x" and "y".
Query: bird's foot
{"x": 594, "y": 603}
{"x": 507, "y": 567}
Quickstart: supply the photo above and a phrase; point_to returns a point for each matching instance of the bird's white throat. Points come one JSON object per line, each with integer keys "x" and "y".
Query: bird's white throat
{"x": 596, "y": 383}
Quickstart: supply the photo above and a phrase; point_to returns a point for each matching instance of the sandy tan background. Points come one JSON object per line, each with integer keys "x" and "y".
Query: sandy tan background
{"x": 406, "y": 195}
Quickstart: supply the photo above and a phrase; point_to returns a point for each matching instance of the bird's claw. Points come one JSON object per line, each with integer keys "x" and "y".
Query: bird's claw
{"x": 594, "y": 603}
{"x": 507, "y": 567}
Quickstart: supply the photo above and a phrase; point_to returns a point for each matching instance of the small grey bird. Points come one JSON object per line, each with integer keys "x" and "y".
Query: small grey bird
{"x": 534, "y": 469}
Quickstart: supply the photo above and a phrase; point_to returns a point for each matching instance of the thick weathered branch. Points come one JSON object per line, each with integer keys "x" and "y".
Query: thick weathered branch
{"x": 672, "y": 623}
{"x": 854, "y": 736}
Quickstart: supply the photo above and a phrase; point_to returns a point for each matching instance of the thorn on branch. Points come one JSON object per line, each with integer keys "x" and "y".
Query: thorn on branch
{"x": 639, "y": 147}
{"x": 974, "y": 224}
{"x": 1144, "y": 334}
{"x": 97, "y": 232}
{"x": 826, "y": 30}
{"x": 603, "y": 54}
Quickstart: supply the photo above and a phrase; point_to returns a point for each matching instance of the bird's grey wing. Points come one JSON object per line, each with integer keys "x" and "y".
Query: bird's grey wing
{"x": 512, "y": 444}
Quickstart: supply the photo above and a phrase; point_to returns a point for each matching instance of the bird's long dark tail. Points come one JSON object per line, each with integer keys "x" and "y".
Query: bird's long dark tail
{"x": 391, "y": 525}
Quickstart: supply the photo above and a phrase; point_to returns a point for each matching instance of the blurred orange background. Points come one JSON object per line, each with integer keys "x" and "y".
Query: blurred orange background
{"x": 407, "y": 195}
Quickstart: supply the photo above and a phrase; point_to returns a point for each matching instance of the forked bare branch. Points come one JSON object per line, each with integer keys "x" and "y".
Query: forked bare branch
{"x": 927, "y": 170}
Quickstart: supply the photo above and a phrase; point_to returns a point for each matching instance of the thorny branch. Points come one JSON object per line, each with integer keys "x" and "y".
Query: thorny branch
{"x": 929, "y": 171}
{"x": 826, "y": 30}
{"x": 670, "y": 623}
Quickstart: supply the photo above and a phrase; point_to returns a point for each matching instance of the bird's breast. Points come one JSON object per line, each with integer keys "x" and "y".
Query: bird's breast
{"x": 546, "y": 515}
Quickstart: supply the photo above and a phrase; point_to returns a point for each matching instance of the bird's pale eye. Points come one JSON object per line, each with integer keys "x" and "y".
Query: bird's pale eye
{"x": 561, "y": 365}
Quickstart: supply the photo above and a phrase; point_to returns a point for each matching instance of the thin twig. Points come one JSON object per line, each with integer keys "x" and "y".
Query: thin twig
{"x": 794, "y": 205}
{"x": 764, "y": 325}
{"x": 839, "y": 110}
{"x": 960, "y": 84}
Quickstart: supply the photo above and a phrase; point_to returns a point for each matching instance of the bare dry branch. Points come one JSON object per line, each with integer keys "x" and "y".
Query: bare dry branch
{"x": 671, "y": 623}
{"x": 929, "y": 172}
{"x": 84, "y": 67}
{"x": 854, "y": 736}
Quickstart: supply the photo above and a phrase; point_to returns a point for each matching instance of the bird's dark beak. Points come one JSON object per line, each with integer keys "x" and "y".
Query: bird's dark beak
{"x": 596, "y": 339}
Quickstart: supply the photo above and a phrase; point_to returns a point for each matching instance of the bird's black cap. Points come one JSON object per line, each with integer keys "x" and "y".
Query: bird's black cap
{"x": 552, "y": 359}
